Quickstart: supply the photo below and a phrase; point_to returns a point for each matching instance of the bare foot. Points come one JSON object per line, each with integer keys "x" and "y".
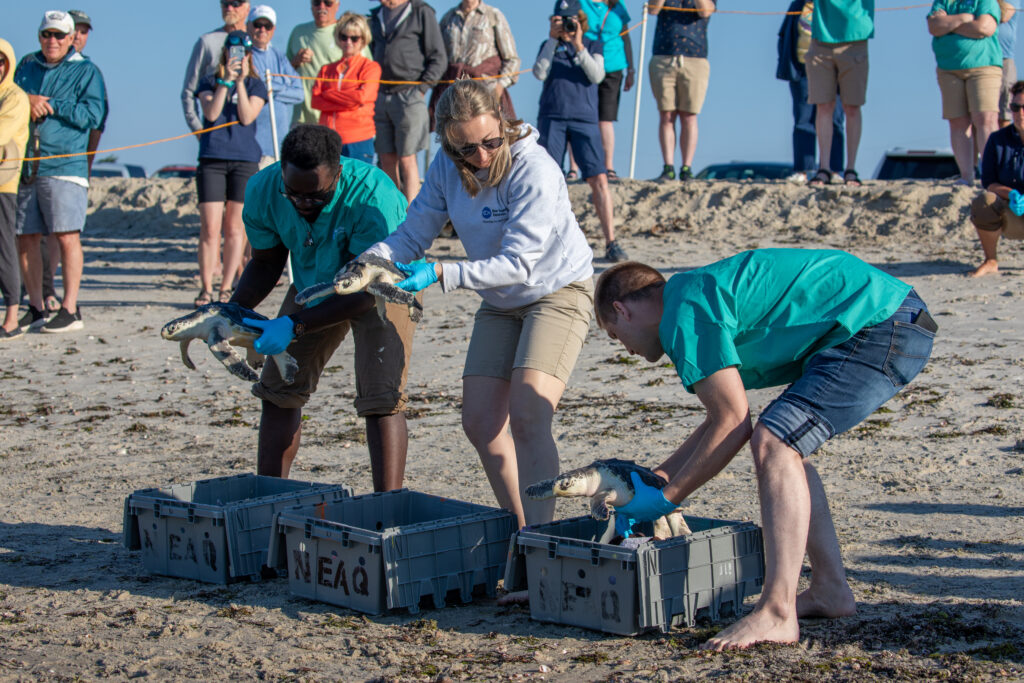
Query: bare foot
{"x": 989, "y": 267}
{"x": 760, "y": 626}
{"x": 515, "y": 598}
{"x": 828, "y": 604}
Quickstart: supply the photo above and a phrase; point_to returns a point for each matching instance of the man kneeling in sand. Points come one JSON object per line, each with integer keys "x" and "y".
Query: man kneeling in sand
{"x": 842, "y": 334}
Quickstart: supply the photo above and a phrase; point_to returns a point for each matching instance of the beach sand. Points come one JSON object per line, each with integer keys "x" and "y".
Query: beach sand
{"x": 927, "y": 494}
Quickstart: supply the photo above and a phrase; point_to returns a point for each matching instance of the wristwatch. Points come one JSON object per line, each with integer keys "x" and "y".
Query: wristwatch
{"x": 298, "y": 327}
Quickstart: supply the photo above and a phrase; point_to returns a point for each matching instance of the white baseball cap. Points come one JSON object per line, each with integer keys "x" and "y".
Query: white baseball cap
{"x": 263, "y": 12}
{"x": 55, "y": 20}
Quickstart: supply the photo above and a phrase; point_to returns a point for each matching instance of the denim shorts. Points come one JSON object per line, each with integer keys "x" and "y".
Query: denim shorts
{"x": 51, "y": 205}
{"x": 844, "y": 384}
{"x": 583, "y": 136}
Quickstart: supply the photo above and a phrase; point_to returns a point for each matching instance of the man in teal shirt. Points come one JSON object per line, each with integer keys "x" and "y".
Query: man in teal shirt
{"x": 837, "y": 60}
{"x": 842, "y": 334}
{"x": 322, "y": 209}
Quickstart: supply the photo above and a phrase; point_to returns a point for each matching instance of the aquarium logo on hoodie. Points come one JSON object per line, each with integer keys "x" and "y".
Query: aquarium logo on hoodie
{"x": 496, "y": 215}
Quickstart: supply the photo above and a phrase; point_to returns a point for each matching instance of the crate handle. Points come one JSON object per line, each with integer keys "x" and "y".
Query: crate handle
{"x": 552, "y": 549}
{"x": 595, "y": 557}
{"x": 191, "y": 514}
{"x": 156, "y": 509}
{"x": 308, "y": 530}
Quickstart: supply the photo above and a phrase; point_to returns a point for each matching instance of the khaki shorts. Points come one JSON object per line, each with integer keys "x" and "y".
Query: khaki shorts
{"x": 546, "y": 335}
{"x": 990, "y": 212}
{"x": 969, "y": 91}
{"x": 1009, "y": 78}
{"x": 679, "y": 83}
{"x": 382, "y": 350}
{"x": 837, "y": 65}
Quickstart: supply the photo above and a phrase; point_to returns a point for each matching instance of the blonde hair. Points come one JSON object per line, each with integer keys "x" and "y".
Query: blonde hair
{"x": 463, "y": 101}
{"x": 352, "y": 19}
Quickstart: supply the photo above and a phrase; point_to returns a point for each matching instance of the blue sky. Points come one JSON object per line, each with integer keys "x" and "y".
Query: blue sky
{"x": 143, "y": 49}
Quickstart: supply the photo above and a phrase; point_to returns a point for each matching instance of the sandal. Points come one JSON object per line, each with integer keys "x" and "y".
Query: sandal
{"x": 850, "y": 177}
{"x": 822, "y": 177}
{"x": 572, "y": 175}
{"x": 225, "y": 295}
{"x": 205, "y": 297}
{"x": 612, "y": 175}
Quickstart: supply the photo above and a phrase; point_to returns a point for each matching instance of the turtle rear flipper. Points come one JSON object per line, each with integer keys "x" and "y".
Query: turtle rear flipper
{"x": 220, "y": 347}
{"x": 287, "y": 366}
{"x": 184, "y": 354}
{"x": 317, "y": 291}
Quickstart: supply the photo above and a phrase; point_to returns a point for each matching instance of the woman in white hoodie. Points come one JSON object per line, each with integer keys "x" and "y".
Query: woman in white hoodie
{"x": 531, "y": 264}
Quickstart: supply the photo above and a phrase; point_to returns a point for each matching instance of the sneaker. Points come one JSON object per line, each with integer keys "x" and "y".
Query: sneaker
{"x": 13, "y": 334}
{"x": 668, "y": 173}
{"x": 64, "y": 321}
{"x": 614, "y": 253}
{"x": 685, "y": 173}
{"x": 34, "y": 319}
{"x": 799, "y": 177}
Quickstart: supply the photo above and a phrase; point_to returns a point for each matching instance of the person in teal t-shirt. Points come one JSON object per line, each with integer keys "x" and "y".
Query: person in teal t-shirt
{"x": 970, "y": 74}
{"x": 842, "y": 334}
{"x": 322, "y": 209}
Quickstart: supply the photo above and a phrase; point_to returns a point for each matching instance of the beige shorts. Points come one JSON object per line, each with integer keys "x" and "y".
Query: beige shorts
{"x": 990, "y": 212}
{"x": 1009, "y": 78}
{"x": 679, "y": 83}
{"x": 382, "y": 351}
{"x": 969, "y": 91}
{"x": 837, "y": 65}
{"x": 546, "y": 335}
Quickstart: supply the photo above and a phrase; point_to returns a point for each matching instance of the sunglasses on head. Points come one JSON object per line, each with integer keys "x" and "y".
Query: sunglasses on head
{"x": 1016, "y": 107}
{"x": 262, "y": 25}
{"x": 45, "y": 35}
{"x": 492, "y": 144}
{"x": 233, "y": 3}
{"x": 237, "y": 40}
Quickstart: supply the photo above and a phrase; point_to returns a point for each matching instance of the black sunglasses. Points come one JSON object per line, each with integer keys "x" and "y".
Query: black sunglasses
{"x": 233, "y": 3}
{"x": 469, "y": 150}
{"x": 262, "y": 25}
{"x": 349, "y": 39}
{"x": 1016, "y": 107}
{"x": 52, "y": 34}
{"x": 314, "y": 200}
{"x": 323, "y": 3}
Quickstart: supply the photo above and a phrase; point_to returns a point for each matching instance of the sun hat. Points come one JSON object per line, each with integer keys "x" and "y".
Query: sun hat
{"x": 55, "y": 20}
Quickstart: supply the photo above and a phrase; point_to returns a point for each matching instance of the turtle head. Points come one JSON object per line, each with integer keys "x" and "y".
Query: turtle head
{"x": 173, "y": 330}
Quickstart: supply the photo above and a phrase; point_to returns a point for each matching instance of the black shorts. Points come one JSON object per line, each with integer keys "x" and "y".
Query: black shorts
{"x": 608, "y": 92}
{"x": 218, "y": 180}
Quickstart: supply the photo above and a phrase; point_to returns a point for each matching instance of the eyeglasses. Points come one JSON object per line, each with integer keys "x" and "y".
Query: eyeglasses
{"x": 56, "y": 35}
{"x": 349, "y": 39}
{"x": 323, "y": 3}
{"x": 314, "y": 200}
{"x": 469, "y": 150}
{"x": 262, "y": 26}
{"x": 233, "y": 3}
{"x": 1014, "y": 107}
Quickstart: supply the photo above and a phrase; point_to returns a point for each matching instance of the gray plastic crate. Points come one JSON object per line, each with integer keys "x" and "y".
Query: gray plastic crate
{"x": 387, "y": 550}
{"x": 214, "y": 530}
{"x": 577, "y": 578}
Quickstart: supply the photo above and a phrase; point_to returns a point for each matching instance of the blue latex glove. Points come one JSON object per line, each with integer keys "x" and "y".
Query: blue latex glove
{"x": 1016, "y": 203}
{"x": 421, "y": 276}
{"x": 624, "y": 524}
{"x": 277, "y": 334}
{"x": 648, "y": 503}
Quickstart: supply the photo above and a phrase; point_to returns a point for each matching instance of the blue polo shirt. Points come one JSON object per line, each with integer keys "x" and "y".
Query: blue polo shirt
{"x": 681, "y": 33}
{"x": 366, "y": 208}
{"x": 233, "y": 143}
{"x": 1003, "y": 159}
{"x": 567, "y": 92}
{"x": 767, "y": 311}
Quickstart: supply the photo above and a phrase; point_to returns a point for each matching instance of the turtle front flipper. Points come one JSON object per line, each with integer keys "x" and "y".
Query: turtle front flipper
{"x": 600, "y": 507}
{"x": 220, "y": 346}
{"x": 317, "y": 291}
{"x": 287, "y": 366}
{"x": 184, "y": 354}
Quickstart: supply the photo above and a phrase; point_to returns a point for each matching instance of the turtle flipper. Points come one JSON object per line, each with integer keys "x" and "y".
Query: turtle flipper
{"x": 184, "y": 354}
{"x": 385, "y": 291}
{"x": 415, "y": 311}
{"x": 317, "y": 291}
{"x": 220, "y": 347}
{"x": 599, "y": 506}
{"x": 287, "y": 366}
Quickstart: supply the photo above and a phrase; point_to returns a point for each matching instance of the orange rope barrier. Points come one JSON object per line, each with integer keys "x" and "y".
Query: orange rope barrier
{"x": 119, "y": 149}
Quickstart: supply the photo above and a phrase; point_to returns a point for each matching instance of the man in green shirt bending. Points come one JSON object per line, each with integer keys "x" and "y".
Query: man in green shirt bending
{"x": 844, "y": 337}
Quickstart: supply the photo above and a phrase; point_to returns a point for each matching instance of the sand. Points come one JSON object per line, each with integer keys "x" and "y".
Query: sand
{"x": 927, "y": 494}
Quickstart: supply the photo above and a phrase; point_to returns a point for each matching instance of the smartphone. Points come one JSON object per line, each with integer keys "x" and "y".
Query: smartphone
{"x": 236, "y": 52}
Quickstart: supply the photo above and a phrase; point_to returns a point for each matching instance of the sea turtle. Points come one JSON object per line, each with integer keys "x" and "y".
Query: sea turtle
{"x": 608, "y": 483}
{"x": 372, "y": 274}
{"x": 221, "y": 326}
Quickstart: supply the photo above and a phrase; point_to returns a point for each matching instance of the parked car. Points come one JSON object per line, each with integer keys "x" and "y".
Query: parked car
{"x": 747, "y": 170}
{"x": 917, "y": 164}
{"x": 176, "y": 172}
{"x": 108, "y": 170}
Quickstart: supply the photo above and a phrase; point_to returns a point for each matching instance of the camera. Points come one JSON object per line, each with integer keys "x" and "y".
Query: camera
{"x": 570, "y": 24}
{"x": 236, "y": 52}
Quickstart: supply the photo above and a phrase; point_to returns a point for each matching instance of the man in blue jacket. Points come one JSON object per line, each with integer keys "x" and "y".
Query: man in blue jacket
{"x": 67, "y": 101}
{"x": 287, "y": 88}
